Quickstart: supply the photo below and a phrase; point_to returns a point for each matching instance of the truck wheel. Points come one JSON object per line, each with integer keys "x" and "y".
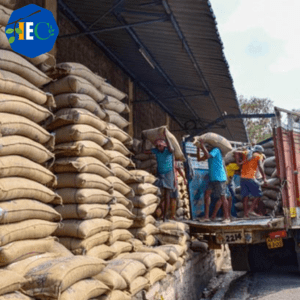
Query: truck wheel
{"x": 239, "y": 257}
{"x": 260, "y": 259}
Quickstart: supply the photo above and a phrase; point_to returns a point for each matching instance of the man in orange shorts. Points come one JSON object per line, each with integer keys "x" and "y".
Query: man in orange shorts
{"x": 250, "y": 161}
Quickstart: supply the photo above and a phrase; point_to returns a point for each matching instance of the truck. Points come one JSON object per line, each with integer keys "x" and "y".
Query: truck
{"x": 256, "y": 244}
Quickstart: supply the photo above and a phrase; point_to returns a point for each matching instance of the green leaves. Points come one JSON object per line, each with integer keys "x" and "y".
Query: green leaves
{"x": 19, "y": 31}
{"x": 9, "y": 31}
{"x": 11, "y": 39}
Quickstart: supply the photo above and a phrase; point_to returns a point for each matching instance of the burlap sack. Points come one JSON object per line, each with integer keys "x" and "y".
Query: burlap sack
{"x": 80, "y": 247}
{"x": 135, "y": 243}
{"x": 146, "y": 164}
{"x": 60, "y": 250}
{"x": 142, "y": 213}
{"x": 119, "y": 158}
{"x": 116, "y": 105}
{"x": 269, "y": 171}
{"x": 145, "y": 176}
{"x": 115, "y": 295}
{"x": 150, "y": 241}
{"x": 17, "y": 125}
{"x": 17, "y": 187}
{"x": 145, "y": 200}
{"x": 121, "y": 172}
{"x": 274, "y": 174}
{"x": 214, "y": 140}
{"x": 270, "y": 162}
{"x": 150, "y": 260}
{"x": 144, "y": 188}
{"x": 138, "y": 284}
{"x": 229, "y": 158}
{"x": 179, "y": 263}
{"x": 9, "y": 3}
{"x": 121, "y": 247}
{"x": 74, "y": 84}
{"x": 114, "y": 118}
{"x": 23, "y": 107}
{"x": 171, "y": 251}
{"x": 120, "y": 186}
{"x": 172, "y": 239}
{"x": 173, "y": 228}
{"x": 123, "y": 200}
{"x": 129, "y": 269}
{"x": 112, "y": 279}
{"x": 81, "y": 165}
{"x": 118, "y": 146}
{"x": 169, "y": 269}
{"x": 70, "y": 100}
{"x": 143, "y": 222}
{"x": 155, "y": 275}
{"x": 119, "y": 222}
{"x": 146, "y": 249}
{"x": 269, "y": 144}
{"x": 84, "y": 196}
{"x": 29, "y": 229}
{"x": 68, "y": 116}
{"x": 82, "y": 229}
{"x": 142, "y": 233}
{"x": 83, "y": 180}
{"x": 13, "y": 84}
{"x": 81, "y": 148}
{"x": 270, "y": 194}
{"x": 18, "y": 145}
{"x": 83, "y": 211}
{"x": 109, "y": 90}
{"x": 102, "y": 251}
{"x": 122, "y": 235}
{"x": 143, "y": 156}
{"x": 24, "y": 209}
{"x": 21, "y": 250}
{"x": 80, "y": 132}
{"x": 72, "y": 68}
{"x": 273, "y": 182}
{"x": 14, "y": 63}
{"x": 51, "y": 278}
{"x": 269, "y": 152}
{"x": 269, "y": 203}
{"x": 4, "y": 15}
{"x": 119, "y": 210}
{"x": 115, "y": 132}
{"x": 15, "y": 296}
{"x": 10, "y": 281}
{"x": 84, "y": 290}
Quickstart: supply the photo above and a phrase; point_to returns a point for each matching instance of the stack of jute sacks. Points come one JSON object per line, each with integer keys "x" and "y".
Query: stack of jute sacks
{"x": 183, "y": 206}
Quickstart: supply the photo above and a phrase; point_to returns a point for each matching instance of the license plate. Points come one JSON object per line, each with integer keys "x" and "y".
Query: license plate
{"x": 274, "y": 243}
{"x": 231, "y": 238}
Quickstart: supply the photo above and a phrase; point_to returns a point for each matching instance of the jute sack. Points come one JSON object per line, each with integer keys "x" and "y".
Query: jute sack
{"x": 271, "y": 194}
{"x": 81, "y": 148}
{"x": 13, "y": 84}
{"x": 273, "y": 182}
{"x": 71, "y": 68}
{"x": 19, "y": 145}
{"x": 169, "y": 269}
{"x": 29, "y": 229}
{"x": 144, "y": 188}
{"x": 85, "y": 164}
{"x": 270, "y": 162}
{"x": 121, "y": 172}
{"x": 14, "y": 63}
{"x": 116, "y": 105}
{"x": 274, "y": 174}
{"x": 84, "y": 196}
{"x": 269, "y": 171}
{"x": 168, "y": 249}
{"x": 121, "y": 247}
{"x": 119, "y": 210}
{"x": 18, "y": 166}
{"x": 146, "y": 249}
{"x": 150, "y": 241}
{"x": 83, "y": 180}
{"x": 142, "y": 213}
{"x": 119, "y": 158}
{"x": 15, "y": 296}
{"x": 80, "y": 247}
{"x": 115, "y": 295}
{"x": 173, "y": 228}
{"x": 135, "y": 243}
{"x": 119, "y": 222}
{"x": 83, "y": 211}
{"x": 112, "y": 279}
{"x": 70, "y": 100}
{"x": 68, "y": 116}
{"x": 172, "y": 239}
{"x": 60, "y": 250}
{"x": 146, "y": 164}
{"x": 10, "y": 281}
{"x": 109, "y": 90}
{"x": 143, "y": 156}
{"x": 269, "y": 152}
{"x": 179, "y": 263}
{"x": 51, "y": 278}
{"x": 8, "y": 3}
{"x": 120, "y": 186}
{"x": 102, "y": 251}
{"x": 269, "y": 203}
{"x": 142, "y": 233}
{"x": 138, "y": 284}
{"x": 114, "y": 118}
{"x": 24, "y": 209}
{"x": 80, "y": 132}
{"x": 17, "y": 187}
{"x": 115, "y": 132}
{"x": 145, "y": 176}
{"x": 143, "y": 222}
{"x": 23, "y": 107}
{"x": 82, "y": 229}
{"x": 149, "y": 259}
{"x": 145, "y": 200}
{"x": 74, "y": 84}
{"x": 129, "y": 269}
{"x": 11, "y": 124}
{"x": 155, "y": 275}
{"x": 229, "y": 157}
{"x": 269, "y": 144}
{"x": 21, "y": 250}
{"x": 123, "y": 200}
{"x": 116, "y": 145}
{"x": 214, "y": 140}
{"x": 84, "y": 290}
{"x": 122, "y": 235}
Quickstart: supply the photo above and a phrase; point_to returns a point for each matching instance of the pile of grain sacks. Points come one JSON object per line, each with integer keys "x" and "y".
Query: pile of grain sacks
{"x": 183, "y": 203}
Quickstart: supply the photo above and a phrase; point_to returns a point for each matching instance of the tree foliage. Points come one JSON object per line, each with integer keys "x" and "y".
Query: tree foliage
{"x": 258, "y": 129}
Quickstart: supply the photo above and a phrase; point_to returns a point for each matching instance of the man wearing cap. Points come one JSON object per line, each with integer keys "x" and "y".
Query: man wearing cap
{"x": 250, "y": 162}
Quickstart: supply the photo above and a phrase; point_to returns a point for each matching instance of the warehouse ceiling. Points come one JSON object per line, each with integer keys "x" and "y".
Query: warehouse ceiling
{"x": 171, "y": 49}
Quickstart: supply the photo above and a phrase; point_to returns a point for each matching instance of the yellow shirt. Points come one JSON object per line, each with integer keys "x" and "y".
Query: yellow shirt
{"x": 231, "y": 168}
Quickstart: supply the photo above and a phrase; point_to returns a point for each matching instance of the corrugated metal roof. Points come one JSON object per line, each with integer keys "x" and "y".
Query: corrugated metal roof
{"x": 189, "y": 75}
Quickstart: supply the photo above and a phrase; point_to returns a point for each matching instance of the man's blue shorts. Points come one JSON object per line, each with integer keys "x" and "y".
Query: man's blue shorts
{"x": 250, "y": 187}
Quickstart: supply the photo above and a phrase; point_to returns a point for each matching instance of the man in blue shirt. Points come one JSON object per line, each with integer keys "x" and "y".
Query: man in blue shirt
{"x": 217, "y": 177}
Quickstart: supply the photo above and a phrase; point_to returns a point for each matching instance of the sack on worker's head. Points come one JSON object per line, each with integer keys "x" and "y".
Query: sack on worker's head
{"x": 215, "y": 140}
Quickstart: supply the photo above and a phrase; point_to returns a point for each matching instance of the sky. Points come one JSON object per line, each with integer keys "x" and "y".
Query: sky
{"x": 261, "y": 40}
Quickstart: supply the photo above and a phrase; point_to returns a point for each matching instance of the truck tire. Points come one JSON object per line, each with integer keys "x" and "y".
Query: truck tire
{"x": 239, "y": 257}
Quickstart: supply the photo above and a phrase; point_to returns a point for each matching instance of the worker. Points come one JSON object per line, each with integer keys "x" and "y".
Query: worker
{"x": 250, "y": 161}
{"x": 217, "y": 180}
